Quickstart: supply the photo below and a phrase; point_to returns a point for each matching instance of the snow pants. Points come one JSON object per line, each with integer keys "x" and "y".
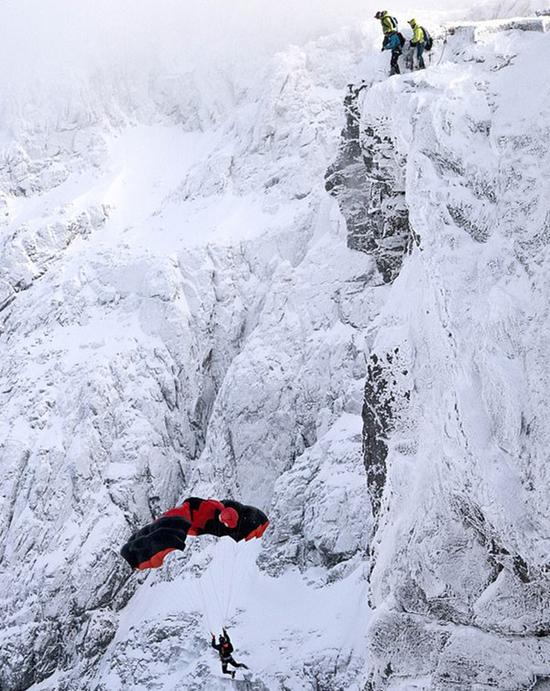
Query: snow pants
{"x": 230, "y": 661}
{"x": 420, "y": 56}
{"x": 394, "y": 64}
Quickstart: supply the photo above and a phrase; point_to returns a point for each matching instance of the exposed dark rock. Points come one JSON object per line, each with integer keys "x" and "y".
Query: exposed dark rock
{"x": 362, "y": 179}
{"x": 384, "y": 396}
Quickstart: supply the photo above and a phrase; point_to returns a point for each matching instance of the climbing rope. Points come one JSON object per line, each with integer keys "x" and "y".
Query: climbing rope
{"x": 444, "y": 48}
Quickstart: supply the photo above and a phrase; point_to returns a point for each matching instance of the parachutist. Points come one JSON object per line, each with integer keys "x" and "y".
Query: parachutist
{"x": 225, "y": 651}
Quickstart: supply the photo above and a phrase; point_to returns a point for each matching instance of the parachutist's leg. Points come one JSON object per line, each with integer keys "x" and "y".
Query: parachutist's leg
{"x": 224, "y": 668}
{"x": 233, "y": 662}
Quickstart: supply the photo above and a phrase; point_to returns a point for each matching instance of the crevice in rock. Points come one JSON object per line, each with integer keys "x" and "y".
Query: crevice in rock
{"x": 383, "y": 398}
{"x": 497, "y": 554}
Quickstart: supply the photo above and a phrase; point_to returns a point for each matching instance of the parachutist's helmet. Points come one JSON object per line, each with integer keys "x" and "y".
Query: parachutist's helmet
{"x": 229, "y": 517}
{"x": 379, "y": 14}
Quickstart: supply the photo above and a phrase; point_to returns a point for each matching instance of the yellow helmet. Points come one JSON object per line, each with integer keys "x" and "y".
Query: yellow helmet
{"x": 412, "y": 22}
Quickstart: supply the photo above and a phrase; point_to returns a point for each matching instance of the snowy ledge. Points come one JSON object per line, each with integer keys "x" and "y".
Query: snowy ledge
{"x": 475, "y": 30}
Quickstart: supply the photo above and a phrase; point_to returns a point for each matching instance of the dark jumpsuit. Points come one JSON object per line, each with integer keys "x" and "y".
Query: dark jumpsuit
{"x": 225, "y": 650}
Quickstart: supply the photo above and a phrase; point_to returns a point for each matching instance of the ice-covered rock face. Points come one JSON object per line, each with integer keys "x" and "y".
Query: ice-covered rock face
{"x": 456, "y": 412}
{"x": 367, "y": 181}
{"x": 180, "y": 315}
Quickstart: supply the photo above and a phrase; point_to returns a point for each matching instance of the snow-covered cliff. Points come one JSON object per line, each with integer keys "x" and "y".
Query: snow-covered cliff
{"x": 206, "y": 289}
{"x": 456, "y": 412}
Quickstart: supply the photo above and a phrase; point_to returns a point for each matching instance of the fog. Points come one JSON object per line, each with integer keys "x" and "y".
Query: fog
{"x": 50, "y": 42}
{"x": 42, "y": 38}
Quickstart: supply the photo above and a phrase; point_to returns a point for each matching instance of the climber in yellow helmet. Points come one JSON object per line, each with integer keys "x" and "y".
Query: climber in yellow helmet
{"x": 418, "y": 42}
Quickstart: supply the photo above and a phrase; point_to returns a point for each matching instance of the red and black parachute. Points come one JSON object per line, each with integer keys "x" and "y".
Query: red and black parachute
{"x": 147, "y": 548}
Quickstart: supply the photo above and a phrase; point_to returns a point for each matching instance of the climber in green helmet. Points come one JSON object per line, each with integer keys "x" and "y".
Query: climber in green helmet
{"x": 418, "y": 43}
{"x": 392, "y": 39}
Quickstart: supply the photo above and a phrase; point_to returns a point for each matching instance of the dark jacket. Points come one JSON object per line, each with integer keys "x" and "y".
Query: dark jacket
{"x": 224, "y": 647}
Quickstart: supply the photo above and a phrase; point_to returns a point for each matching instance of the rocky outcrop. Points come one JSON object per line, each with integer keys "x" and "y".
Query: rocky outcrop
{"x": 27, "y": 251}
{"x": 385, "y": 409}
{"x": 367, "y": 186}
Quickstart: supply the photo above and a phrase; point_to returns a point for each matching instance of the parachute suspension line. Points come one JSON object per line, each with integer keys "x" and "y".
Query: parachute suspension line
{"x": 216, "y": 595}
{"x": 227, "y": 567}
{"x": 204, "y": 604}
{"x": 218, "y": 585}
{"x": 236, "y": 553}
{"x": 223, "y": 569}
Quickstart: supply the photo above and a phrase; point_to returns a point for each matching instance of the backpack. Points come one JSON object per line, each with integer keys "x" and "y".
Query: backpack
{"x": 401, "y": 38}
{"x": 389, "y": 23}
{"x": 428, "y": 40}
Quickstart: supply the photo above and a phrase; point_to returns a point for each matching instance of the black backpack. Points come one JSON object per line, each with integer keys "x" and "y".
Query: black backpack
{"x": 428, "y": 40}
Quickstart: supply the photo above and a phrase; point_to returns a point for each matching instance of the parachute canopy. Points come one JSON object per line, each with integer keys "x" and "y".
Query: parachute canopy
{"x": 147, "y": 548}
